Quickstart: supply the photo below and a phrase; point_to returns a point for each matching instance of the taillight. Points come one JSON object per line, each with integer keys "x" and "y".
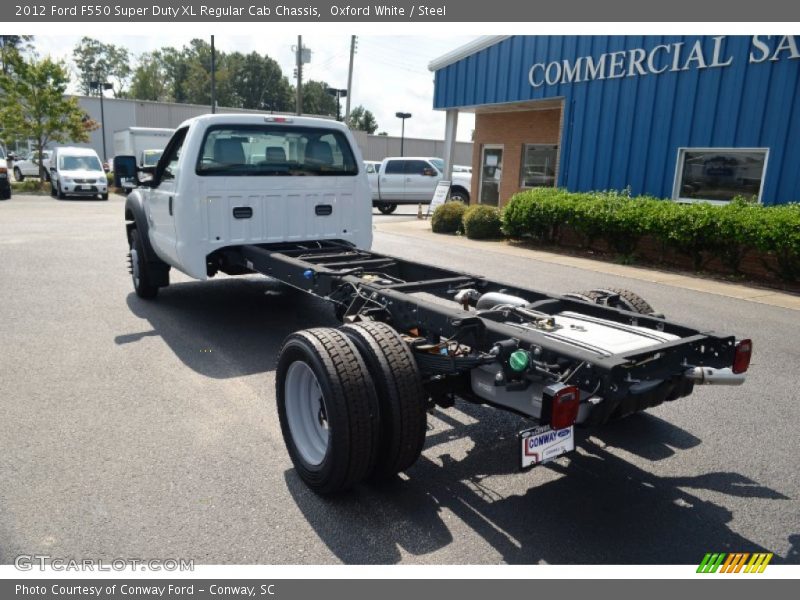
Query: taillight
{"x": 741, "y": 359}
{"x": 561, "y": 408}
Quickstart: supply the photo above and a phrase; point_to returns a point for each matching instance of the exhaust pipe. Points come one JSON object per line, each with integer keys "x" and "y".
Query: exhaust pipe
{"x": 709, "y": 376}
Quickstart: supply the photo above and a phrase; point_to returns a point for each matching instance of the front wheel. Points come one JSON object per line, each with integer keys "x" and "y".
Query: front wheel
{"x": 387, "y": 209}
{"x": 105, "y": 196}
{"x": 60, "y": 194}
{"x": 143, "y": 283}
{"x": 327, "y": 408}
{"x": 18, "y": 174}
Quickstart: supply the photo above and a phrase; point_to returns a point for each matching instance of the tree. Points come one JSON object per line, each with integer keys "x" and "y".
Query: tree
{"x": 35, "y": 106}
{"x": 97, "y": 61}
{"x": 151, "y": 80}
{"x": 184, "y": 75}
{"x": 317, "y": 100}
{"x": 10, "y": 47}
{"x": 259, "y": 82}
{"x": 362, "y": 120}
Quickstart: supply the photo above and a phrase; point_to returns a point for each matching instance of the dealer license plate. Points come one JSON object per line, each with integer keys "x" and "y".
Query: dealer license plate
{"x": 543, "y": 444}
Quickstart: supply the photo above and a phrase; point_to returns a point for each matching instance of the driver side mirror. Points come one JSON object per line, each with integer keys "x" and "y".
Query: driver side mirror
{"x": 126, "y": 172}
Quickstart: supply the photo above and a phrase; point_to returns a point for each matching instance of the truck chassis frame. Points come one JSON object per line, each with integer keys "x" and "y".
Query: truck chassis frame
{"x": 368, "y": 285}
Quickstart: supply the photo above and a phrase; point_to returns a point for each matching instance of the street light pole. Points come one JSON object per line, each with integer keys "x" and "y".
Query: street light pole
{"x": 101, "y": 86}
{"x": 402, "y": 116}
{"x": 339, "y": 94}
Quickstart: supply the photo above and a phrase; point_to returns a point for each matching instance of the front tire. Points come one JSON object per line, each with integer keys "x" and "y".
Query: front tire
{"x": 401, "y": 396}
{"x": 143, "y": 283}
{"x": 105, "y": 196}
{"x": 18, "y": 174}
{"x": 327, "y": 408}
{"x": 61, "y": 195}
{"x": 387, "y": 209}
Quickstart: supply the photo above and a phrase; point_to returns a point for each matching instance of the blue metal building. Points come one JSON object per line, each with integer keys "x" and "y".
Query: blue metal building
{"x": 682, "y": 117}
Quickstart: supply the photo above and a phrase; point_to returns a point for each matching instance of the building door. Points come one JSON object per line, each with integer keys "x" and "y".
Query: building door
{"x": 491, "y": 172}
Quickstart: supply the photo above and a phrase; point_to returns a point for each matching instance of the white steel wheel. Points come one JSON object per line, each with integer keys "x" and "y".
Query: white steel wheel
{"x": 306, "y": 413}
{"x": 327, "y": 408}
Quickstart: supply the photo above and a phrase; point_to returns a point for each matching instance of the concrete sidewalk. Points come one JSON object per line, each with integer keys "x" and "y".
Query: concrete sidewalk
{"x": 422, "y": 229}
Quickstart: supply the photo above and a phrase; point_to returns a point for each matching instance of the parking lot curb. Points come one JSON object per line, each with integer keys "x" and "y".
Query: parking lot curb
{"x": 758, "y": 295}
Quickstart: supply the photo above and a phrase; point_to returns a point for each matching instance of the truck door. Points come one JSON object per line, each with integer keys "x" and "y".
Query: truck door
{"x": 393, "y": 180}
{"x": 421, "y": 178}
{"x": 163, "y": 197}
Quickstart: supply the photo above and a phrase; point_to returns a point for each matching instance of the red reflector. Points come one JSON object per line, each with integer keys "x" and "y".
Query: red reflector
{"x": 566, "y": 402}
{"x": 741, "y": 359}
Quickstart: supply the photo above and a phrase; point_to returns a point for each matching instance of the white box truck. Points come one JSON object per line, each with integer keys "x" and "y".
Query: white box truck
{"x": 145, "y": 143}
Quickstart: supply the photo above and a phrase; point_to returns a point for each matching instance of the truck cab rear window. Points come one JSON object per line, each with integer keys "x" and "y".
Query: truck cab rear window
{"x": 268, "y": 150}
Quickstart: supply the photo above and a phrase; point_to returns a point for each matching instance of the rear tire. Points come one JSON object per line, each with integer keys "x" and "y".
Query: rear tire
{"x": 628, "y": 300}
{"x": 401, "y": 396}
{"x": 143, "y": 283}
{"x": 387, "y": 209}
{"x": 327, "y": 408}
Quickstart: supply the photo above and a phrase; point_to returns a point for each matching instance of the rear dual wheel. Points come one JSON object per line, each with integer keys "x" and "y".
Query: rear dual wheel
{"x": 351, "y": 405}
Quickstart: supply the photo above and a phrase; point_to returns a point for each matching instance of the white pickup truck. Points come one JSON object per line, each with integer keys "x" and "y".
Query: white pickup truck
{"x": 412, "y": 180}
{"x": 289, "y": 198}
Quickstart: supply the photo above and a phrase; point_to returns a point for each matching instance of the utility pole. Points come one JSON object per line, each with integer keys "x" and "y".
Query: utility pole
{"x": 350, "y": 78}
{"x": 299, "y": 75}
{"x": 213, "y": 78}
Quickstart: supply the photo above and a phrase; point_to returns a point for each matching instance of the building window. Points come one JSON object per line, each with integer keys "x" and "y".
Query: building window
{"x": 538, "y": 165}
{"x": 719, "y": 174}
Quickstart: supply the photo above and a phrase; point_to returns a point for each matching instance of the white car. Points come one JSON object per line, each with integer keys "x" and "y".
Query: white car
{"x": 29, "y": 167}
{"x": 77, "y": 172}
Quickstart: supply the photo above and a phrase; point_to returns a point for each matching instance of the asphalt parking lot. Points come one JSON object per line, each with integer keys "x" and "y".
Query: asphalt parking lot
{"x": 149, "y": 429}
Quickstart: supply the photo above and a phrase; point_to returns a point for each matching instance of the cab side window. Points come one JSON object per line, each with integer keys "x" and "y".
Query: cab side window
{"x": 416, "y": 167}
{"x": 395, "y": 167}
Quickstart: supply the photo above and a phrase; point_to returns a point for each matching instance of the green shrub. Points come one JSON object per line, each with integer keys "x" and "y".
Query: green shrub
{"x": 448, "y": 217}
{"x": 777, "y": 233}
{"x": 700, "y": 230}
{"x": 30, "y": 185}
{"x": 482, "y": 222}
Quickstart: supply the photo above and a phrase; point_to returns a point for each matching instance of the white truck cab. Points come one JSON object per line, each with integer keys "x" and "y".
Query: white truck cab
{"x": 233, "y": 180}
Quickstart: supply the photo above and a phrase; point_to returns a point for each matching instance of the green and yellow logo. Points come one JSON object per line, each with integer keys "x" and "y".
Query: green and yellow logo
{"x": 734, "y": 563}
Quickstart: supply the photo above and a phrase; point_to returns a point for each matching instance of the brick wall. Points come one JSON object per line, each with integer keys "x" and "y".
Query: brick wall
{"x": 513, "y": 129}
